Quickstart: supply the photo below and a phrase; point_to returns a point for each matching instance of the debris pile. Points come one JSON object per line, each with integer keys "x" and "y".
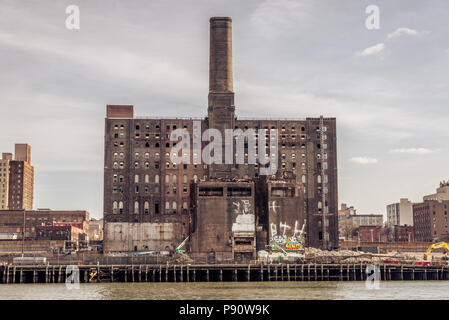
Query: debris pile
{"x": 315, "y": 255}
{"x": 181, "y": 258}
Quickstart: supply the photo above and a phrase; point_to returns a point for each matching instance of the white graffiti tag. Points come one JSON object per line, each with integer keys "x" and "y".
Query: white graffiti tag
{"x": 243, "y": 207}
{"x": 273, "y": 206}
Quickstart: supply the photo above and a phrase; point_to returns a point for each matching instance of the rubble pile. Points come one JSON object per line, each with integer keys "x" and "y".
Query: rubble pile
{"x": 182, "y": 258}
{"x": 315, "y": 255}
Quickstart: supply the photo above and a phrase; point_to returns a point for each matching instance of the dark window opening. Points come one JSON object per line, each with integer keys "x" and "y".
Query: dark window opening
{"x": 239, "y": 191}
{"x": 282, "y": 192}
{"x": 211, "y": 191}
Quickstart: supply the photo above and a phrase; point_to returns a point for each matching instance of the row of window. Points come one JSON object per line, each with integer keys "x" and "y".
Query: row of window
{"x": 170, "y": 207}
{"x": 168, "y": 127}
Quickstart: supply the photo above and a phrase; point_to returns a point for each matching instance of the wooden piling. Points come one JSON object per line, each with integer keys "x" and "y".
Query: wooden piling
{"x": 269, "y": 273}
{"x": 140, "y": 273}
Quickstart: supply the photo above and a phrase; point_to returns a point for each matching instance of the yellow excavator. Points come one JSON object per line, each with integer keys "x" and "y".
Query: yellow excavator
{"x": 437, "y": 246}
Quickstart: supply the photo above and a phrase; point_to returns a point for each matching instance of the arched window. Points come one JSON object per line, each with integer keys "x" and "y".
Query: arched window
{"x": 114, "y": 207}
{"x": 156, "y": 178}
{"x": 115, "y": 165}
{"x": 167, "y": 178}
{"x": 120, "y": 207}
{"x": 175, "y": 178}
{"x": 136, "y": 207}
{"x": 136, "y": 178}
{"x": 174, "y": 206}
{"x": 147, "y": 178}
{"x": 146, "y": 207}
{"x": 303, "y": 179}
{"x": 195, "y": 178}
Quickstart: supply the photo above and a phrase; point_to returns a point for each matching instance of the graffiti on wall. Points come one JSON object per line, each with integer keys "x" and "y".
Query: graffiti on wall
{"x": 245, "y": 220}
{"x": 285, "y": 237}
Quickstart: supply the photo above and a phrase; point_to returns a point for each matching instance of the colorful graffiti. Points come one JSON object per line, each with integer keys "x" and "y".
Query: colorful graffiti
{"x": 286, "y": 244}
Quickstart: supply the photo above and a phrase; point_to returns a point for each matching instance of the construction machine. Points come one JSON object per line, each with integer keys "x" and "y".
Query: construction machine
{"x": 179, "y": 248}
{"x": 437, "y": 246}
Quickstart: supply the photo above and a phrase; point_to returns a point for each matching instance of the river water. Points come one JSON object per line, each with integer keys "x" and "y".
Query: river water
{"x": 389, "y": 290}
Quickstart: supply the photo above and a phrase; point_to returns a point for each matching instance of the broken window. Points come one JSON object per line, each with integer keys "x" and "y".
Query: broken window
{"x": 210, "y": 191}
{"x": 239, "y": 191}
{"x": 146, "y": 207}
{"x": 282, "y": 192}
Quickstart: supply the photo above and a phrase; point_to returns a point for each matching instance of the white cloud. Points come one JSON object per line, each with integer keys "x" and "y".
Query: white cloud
{"x": 405, "y": 31}
{"x": 374, "y": 50}
{"x": 412, "y": 150}
{"x": 363, "y": 160}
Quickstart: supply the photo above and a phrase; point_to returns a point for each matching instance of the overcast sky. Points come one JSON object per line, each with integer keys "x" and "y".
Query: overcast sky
{"x": 388, "y": 88}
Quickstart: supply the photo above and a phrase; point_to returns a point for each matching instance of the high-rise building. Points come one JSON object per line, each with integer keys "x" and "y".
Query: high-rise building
{"x": 4, "y": 180}
{"x": 17, "y": 179}
{"x": 430, "y": 220}
{"x": 400, "y": 214}
{"x": 152, "y": 203}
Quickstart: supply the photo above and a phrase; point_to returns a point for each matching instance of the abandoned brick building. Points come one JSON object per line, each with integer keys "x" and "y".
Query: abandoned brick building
{"x": 227, "y": 210}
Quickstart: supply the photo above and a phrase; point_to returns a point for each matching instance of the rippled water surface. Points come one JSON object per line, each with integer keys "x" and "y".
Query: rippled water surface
{"x": 233, "y": 290}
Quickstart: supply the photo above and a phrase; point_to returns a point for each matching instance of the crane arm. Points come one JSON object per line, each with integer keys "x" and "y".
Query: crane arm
{"x": 436, "y": 246}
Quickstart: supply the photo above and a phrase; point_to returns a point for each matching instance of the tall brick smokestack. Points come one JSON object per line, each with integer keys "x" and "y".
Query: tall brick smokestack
{"x": 221, "y": 93}
{"x": 220, "y": 63}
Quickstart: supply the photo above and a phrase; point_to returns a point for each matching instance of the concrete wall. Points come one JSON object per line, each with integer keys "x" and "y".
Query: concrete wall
{"x": 146, "y": 236}
{"x": 218, "y": 218}
{"x": 286, "y": 210}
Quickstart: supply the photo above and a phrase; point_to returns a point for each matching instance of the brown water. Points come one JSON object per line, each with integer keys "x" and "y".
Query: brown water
{"x": 390, "y": 290}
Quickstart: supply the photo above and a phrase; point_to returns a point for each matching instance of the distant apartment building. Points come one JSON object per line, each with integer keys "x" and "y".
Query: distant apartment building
{"x": 17, "y": 179}
{"x": 430, "y": 220}
{"x": 350, "y": 223}
{"x": 442, "y": 193}
{"x": 4, "y": 180}
{"x": 13, "y": 222}
{"x": 400, "y": 214}
{"x": 402, "y": 234}
{"x": 370, "y": 233}
{"x": 367, "y": 220}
